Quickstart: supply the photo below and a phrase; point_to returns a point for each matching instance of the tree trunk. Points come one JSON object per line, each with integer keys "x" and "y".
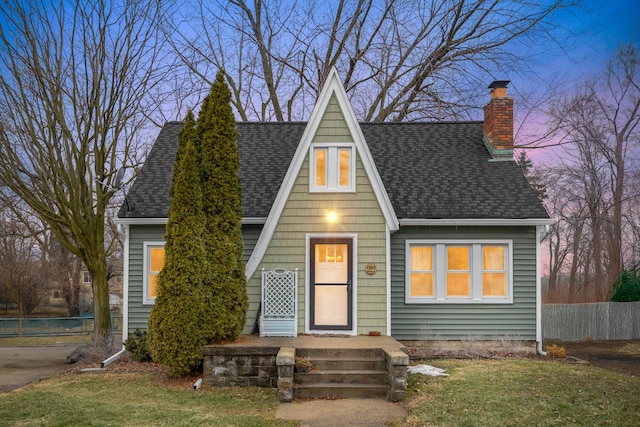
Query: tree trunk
{"x": 96, "y": 262}
{"x": 615, "y": 246}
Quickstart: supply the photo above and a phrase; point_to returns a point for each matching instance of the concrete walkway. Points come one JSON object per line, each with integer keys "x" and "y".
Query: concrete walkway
{"x": 343, "y": 412}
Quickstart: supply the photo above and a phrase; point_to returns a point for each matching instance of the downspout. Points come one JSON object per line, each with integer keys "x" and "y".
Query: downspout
{"x": 113, "y": 357}
{"x": 541, "y": 232}
{"x": 388, "y": 273}
{"x": 123, "y": 230}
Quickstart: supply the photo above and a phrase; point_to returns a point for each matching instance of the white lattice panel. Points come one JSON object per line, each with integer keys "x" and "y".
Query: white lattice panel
{"x": 279, "y": 293}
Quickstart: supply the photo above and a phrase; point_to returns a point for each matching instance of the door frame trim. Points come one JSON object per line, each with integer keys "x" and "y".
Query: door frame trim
{"x": 354, "y": 286}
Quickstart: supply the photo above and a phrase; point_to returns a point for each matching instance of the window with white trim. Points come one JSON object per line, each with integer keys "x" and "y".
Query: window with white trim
{"x": 456, "y": 271}
{"x": 153, "y": 261}
{"x": 332, "y": 168}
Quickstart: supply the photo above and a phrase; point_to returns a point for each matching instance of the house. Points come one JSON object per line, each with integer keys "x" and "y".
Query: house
{"x": 79, "y": 289}
{"x": 397, "y": 228}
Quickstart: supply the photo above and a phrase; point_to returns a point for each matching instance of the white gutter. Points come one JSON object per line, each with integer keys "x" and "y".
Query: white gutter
{"x": 476, "y": 221}
{"x": 162, "y": 221}
{"x": 140, "y": 221}
{"x": 541, "y": 231}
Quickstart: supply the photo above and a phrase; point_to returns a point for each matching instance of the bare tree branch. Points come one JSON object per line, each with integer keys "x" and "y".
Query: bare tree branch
{"x": 401, "y": 60}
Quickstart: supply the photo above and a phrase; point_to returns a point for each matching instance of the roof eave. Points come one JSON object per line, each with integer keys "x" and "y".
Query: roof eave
{"x": 163, "y": 221}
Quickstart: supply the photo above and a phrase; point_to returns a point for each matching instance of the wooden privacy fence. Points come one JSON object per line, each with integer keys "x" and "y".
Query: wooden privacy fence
{"x": 598, "y": 321}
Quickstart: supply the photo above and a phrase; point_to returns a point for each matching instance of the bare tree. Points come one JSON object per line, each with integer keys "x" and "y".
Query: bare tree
{"x": 400, "y": 59}
{"x": 21, "y": 264}
{"x": 598, "y": 129}
{"x": 73, "y": 97}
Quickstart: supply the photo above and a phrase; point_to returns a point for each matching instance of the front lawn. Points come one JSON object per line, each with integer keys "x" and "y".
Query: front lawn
{"x": 519, "y": 392}
{"x": 511, "y": 392}
{"x": 135, "y": 399}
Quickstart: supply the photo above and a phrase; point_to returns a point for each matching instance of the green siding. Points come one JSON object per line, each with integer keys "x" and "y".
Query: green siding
{"x": 138, "y": 234}
{"x": 333, "y": 127}
{"x": 250, "y": 234}
{"x": 305, "y": 213}
{"x": 460, "y": 321}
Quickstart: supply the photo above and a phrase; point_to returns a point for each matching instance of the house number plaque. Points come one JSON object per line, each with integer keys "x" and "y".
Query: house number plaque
{"x": 370, "y": 269}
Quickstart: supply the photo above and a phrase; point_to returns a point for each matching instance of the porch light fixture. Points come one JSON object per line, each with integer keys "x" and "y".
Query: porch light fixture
{"x": 332, "y": 216}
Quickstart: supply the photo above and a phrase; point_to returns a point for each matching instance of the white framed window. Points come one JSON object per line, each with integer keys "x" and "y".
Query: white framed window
{"x": 153, "y": 261}
{"x": 332, "y": 168}
{"x": 87, "y": 277}
{"x": 457, "y": 271}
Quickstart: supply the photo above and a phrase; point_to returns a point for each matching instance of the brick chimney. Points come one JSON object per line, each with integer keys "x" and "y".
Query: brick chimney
{"x": 498, "y": 121}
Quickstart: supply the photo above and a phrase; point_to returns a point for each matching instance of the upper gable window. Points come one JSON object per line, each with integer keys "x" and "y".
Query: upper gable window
{"x": 333, "y": 168}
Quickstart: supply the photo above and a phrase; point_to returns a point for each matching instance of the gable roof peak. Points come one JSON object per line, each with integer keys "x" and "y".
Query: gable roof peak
{"x": 332, "y": 87}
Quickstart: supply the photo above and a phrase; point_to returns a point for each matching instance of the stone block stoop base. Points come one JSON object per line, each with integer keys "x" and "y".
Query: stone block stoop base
{"x": 352, "y": 370}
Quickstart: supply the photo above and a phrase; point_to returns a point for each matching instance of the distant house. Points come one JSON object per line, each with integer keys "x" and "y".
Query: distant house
{"x": 115, "y": 285}
{"x": 392, "y": 227}
{"x": 84, "y": 283}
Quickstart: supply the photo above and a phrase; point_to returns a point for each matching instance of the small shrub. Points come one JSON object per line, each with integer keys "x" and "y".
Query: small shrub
{"x": 508, "y": 344}
{"x": 94, "y": 351}
{"x": 472, "y": 346}
{"x": 425, "y": 333}
{"x": 626, "y": 288}
{"x": 137, "y": 345}
{"x": 555, "y": 351}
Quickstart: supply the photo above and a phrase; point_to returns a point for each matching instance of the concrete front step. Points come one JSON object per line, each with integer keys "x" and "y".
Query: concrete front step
{"x": 342, "y": 377}
{"x": 340, "y": 352}
{"x": 355, "y": 391}
{"x": 342, "y": 373}
{"x": 348, "y": 364}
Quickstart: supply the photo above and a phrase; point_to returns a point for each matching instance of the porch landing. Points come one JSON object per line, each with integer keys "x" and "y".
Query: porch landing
{"x": 314, "y": 341}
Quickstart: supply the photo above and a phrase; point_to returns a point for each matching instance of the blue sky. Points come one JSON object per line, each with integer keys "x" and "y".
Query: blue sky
{"x": 600, "y": 29}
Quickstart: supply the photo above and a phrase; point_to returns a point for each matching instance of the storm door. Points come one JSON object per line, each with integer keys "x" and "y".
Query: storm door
{"x": 331, "y": 284}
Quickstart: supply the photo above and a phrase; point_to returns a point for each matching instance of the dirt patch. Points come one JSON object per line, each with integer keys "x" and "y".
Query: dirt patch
{"x": 162, "y": 375}
{"x": 619, "y": 356}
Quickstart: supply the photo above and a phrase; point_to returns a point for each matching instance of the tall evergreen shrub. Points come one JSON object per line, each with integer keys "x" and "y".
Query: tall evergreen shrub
{"x": 222, "y": 202}
{"x": 175, "y": 323}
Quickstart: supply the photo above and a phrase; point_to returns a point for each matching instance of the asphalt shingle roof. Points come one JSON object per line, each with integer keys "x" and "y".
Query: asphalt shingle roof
{"x": 429, "y": 170}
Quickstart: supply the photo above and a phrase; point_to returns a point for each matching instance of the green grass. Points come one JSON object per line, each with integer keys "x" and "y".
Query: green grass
{"x": 522, "y": 392}
{"x": 46, "y": 340}
{"x": 511, "y": 392}
{"x": 134, "y": 400}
